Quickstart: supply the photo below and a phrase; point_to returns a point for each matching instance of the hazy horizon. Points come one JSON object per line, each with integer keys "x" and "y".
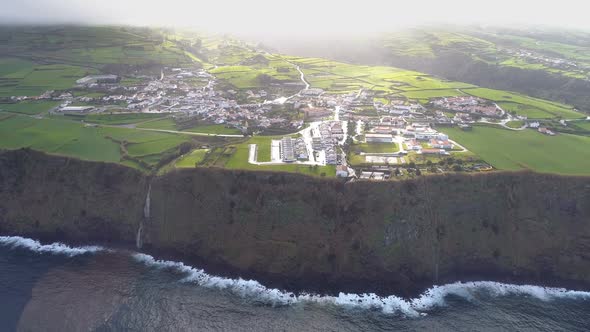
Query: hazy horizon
{"x": 301, "y": 18}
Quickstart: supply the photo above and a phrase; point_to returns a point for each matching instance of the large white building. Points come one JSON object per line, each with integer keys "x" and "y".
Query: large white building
{"x": 76, "y": 109}
{"x": 287, "y": 150}
{"x": 92, "y": 79}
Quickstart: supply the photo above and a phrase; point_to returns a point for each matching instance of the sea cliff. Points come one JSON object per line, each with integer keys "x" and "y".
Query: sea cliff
{"x": 303, "y": 233}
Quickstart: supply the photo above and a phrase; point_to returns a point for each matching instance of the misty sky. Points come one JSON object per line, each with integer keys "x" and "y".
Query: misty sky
{"x": 297, "y": 16}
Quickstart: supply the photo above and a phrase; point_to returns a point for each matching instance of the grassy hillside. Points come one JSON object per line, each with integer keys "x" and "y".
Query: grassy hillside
{"x": 545, "y": 63}
{"x": 523, "y": 49}
{"x": 119, "y": 145}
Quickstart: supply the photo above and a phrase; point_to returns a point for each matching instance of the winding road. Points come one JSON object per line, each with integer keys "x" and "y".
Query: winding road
{"x": 302, "y": 76}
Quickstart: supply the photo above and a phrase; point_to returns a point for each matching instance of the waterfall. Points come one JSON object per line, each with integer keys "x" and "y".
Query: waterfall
{"x": 146, "y": 207}
{"x": 146, "y": 217}
{"x": 138, "y": 237}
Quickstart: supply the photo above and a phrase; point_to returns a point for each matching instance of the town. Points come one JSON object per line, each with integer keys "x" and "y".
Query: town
{"x": 361, "y": 135}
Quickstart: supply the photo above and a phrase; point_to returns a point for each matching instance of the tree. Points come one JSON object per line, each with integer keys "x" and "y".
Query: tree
{"x": 457, "y": 168}
{"x": 412, "y": 164}
{"x": 264, "y": 79}
{"x": 429, "y": 163}
{"x": 418, "y": 172}
{"x": 198, "y": 44}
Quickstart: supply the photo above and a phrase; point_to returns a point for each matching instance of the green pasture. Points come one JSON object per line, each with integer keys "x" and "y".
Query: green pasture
{"x": 527, "y": 149}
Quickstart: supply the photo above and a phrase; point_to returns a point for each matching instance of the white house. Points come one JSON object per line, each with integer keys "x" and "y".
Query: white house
{"x": 341, "y": 171}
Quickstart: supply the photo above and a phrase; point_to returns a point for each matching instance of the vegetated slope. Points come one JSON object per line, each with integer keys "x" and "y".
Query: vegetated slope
{"x": 68, "y": 199}
{"x": 484, "y": 57}
{"x": 301, "y": 232}
{"x": 490, "y": 57}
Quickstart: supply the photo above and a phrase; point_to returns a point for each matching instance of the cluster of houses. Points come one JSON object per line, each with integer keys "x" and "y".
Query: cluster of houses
{"x": 418, "y": 136}
{"x": 470, "y": 105}
{"x": 326, "y": 138}
{"x": 548, "y": 61}
{"x": 293, "y": 149}
{"x": 541, "y": 129}
{"x": 180, "y": 91}
{"x": 398, "y": 107}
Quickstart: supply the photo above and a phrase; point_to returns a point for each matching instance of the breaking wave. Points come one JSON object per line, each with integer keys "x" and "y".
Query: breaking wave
{"x": 53, "y": 248}
{"x": 432, "y": 298}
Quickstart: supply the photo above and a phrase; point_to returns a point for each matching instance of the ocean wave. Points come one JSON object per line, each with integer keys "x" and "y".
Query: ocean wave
{"x": 53, "y": 248}
{"x": 430, "y": 299}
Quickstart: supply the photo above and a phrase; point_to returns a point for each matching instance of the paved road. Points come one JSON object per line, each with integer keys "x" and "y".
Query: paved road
{"x": 302, "y": 77}
{"x": 504, "y": 122}
{"x": 176, "y": 131}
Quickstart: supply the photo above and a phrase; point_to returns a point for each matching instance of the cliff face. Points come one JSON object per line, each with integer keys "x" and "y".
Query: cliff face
{"x": 57, "y": 198}
{"x": 301, "y": 232}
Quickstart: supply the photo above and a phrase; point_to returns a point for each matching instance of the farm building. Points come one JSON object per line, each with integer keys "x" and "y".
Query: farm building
{"x": 76, "y": 109}
{"x": 98, "y": 79}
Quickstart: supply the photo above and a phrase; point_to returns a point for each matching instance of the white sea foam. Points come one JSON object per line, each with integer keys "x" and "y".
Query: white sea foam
{"x": 432, "y": 298}
{"x": 53, "y": 248}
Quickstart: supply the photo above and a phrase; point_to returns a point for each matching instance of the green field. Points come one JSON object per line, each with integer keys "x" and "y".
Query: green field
{"x": 85, "y": 142}
{"x": 527, "y": 149}
{"x": 341, "y": 77}
{"x": 57, "y": 137}
{"x": 155, "y": 146}
{"x": 32, "y": 79}
{"x": 169, "y": 124}
{"x": 191, "y": 159}
{"x": 525, "y": 110}
{"x": 248, "y": 76}
{"x": 429, "y": 94}
{"x": 164, "y": 124}
{"x": 584, "y": 124}
{"x": 30, "y": 107}
{"x": 508, "y": 99}
{"x": 214, "y": 129}
{"x": 375, "y": 147}
{"x": 515, "y": 124}
{"x": 117, "y": 119}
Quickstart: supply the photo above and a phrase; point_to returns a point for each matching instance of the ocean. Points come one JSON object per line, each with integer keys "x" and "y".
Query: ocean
{"x": 62, "y": 288}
